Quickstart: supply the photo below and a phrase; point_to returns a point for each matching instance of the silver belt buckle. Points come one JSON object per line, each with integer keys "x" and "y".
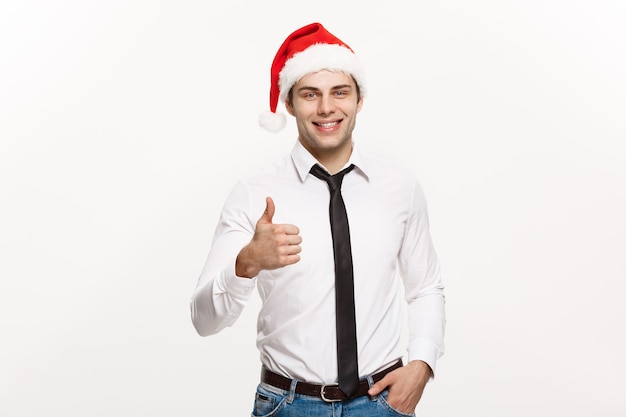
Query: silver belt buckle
{"x": 322, "y": 393}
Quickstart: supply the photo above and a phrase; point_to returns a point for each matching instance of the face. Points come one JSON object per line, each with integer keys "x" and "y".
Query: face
{"x": 325, "y": 105}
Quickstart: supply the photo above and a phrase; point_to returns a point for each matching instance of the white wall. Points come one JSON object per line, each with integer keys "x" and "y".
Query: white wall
{"x": 123, "y": 125}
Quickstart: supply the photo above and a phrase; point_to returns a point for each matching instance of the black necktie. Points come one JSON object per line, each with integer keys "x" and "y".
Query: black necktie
{"x": 348, "y": 368}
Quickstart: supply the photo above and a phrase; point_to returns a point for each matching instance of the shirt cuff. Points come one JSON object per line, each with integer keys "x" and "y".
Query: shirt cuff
{"x": 426, "y": 351}
{"x": 238, "y": 287}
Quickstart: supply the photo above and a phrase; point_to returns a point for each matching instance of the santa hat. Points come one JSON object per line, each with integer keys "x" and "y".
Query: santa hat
{"x": 309, "y": 49}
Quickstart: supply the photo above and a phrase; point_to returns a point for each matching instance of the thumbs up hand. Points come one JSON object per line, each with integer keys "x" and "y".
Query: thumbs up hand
{"x": 272, "y": 246}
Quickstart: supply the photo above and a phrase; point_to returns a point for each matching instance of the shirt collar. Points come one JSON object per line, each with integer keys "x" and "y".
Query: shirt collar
{"x": 303, "y": 160}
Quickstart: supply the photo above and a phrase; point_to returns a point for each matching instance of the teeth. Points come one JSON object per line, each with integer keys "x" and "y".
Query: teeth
{"x": 327, "y": 125}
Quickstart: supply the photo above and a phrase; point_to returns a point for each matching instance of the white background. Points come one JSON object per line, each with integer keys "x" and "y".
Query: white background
{"x": 124, "y": 124}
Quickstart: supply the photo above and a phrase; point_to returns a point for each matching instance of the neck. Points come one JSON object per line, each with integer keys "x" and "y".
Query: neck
{"x": 334, "y": 159}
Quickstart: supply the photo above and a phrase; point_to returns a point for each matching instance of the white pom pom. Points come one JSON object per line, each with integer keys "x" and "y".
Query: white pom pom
{"x": 272, "y": 122}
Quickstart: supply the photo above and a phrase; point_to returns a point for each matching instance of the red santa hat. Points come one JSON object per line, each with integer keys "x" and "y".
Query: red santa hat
{"x": 309, "y": 49}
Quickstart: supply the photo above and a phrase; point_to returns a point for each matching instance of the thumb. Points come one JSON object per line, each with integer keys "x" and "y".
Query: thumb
{"x": 268, "y": 214}
{"x": 379, "y": 387}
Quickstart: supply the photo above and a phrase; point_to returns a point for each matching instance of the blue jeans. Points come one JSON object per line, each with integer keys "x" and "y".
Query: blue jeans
{"x": 274, "y": 402}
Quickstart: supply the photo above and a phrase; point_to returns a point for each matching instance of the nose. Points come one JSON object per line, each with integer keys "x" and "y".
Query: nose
{"x": 326, "y": 105}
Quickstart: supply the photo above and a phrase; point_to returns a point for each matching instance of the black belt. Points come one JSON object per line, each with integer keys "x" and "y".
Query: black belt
{"x": 327, "y": 392}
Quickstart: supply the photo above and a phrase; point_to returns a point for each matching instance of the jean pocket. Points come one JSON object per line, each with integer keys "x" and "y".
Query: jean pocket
{"x": 266, "y": 402}
{"x": 382, "y": 400}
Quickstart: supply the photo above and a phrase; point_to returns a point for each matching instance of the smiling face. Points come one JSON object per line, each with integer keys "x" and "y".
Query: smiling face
{"x": 325, "y": 105}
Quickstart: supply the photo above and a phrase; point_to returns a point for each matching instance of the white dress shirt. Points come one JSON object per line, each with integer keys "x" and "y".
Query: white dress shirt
{"x": 393, "y": 256}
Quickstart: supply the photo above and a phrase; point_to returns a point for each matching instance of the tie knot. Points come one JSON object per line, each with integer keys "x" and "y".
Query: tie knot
{"x": 334, "y": 181}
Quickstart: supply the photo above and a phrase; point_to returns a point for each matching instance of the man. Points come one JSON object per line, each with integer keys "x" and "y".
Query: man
{"x": 281, "y": 231}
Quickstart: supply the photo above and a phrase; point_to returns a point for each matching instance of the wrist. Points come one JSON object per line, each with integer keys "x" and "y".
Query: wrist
{"x": 420, "y": 367}
{"x": 243, "y": 268}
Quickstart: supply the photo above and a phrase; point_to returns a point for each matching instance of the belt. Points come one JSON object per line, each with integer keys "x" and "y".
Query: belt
{"x": 327, "y": 392}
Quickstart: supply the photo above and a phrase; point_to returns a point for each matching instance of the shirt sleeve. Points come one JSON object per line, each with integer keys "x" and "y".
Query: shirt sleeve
{"x": 424, "y": 289}
{"x": 220, "y": 295}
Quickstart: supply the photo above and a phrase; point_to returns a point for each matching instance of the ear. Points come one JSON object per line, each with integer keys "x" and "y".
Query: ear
{"x": 359, "y": 104}
{"x": 289, "y": 107}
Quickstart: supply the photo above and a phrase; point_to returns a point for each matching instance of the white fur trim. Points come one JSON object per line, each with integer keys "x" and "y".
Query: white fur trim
{"x": 272, "y": 122}
{"x": 317, "y": 57}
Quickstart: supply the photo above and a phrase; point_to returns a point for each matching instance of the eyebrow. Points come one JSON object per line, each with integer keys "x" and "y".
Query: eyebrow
{"x": 337, "y": 87}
